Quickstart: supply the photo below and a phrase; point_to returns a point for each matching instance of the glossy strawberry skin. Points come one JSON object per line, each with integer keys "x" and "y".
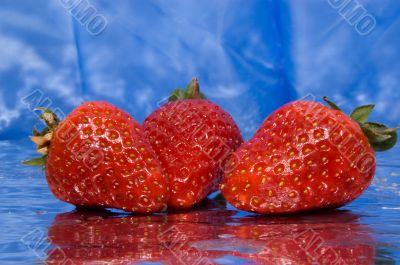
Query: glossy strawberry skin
{"x": 304, "y": 156}
{"x": 98, "y": 157}
{"x": 192, "y": 139}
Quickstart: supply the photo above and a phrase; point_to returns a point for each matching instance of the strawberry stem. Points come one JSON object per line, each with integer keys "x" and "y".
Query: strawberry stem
{"x": 192, "y": 91}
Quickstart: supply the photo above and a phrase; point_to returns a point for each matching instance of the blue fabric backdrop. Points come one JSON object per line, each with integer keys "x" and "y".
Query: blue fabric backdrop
{"x": 250, "y": 56}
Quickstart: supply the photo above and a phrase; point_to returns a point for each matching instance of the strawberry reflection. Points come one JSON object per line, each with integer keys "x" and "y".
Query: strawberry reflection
{"x": 83, "y": 237}
{"x": 209, "y": 234}
{"x": 324, "y": 238}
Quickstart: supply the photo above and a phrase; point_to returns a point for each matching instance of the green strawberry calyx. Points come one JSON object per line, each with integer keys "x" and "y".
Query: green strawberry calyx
{"x": 192, "y": 91}
{"x": 380, "y": 137}
{"x": 42, "y": 138}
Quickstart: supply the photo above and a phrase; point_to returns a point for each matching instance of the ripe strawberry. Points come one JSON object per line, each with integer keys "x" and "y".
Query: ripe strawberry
{"x": 98, "y": 157}
{"x": 306, "y": 156}
{"x": 192, "y": 138}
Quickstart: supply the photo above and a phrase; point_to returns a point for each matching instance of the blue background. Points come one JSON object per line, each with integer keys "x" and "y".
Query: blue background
{"x": 250, "y": 57}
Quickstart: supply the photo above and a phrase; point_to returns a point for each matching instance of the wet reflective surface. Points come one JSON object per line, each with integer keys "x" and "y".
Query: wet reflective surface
{"x": 36, "y": 227}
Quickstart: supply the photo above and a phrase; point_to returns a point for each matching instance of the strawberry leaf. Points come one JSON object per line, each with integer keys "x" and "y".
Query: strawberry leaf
{"x": 177, "y": 94}
{"x": 379, "y": 136}
{"x": 35, "y": 132}
{"x": 37, "y": 161}
{"x": 331, "y": 104}
{"x": 49, "y": 117}
{"x": 360, "y": 114}
{"x": 43, "y": 137}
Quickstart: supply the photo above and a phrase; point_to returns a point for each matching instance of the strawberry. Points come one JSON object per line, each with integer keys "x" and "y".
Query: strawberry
{"x": 306, "y": 156}
{"x": 98, "y": 157}
{"x": 192, "y": 138}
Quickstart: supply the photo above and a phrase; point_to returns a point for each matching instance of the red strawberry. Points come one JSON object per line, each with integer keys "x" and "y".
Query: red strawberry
{"x": 306, "y": 156}
{"x": 192, "y": 138}
{"x": 98, "y": 157}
